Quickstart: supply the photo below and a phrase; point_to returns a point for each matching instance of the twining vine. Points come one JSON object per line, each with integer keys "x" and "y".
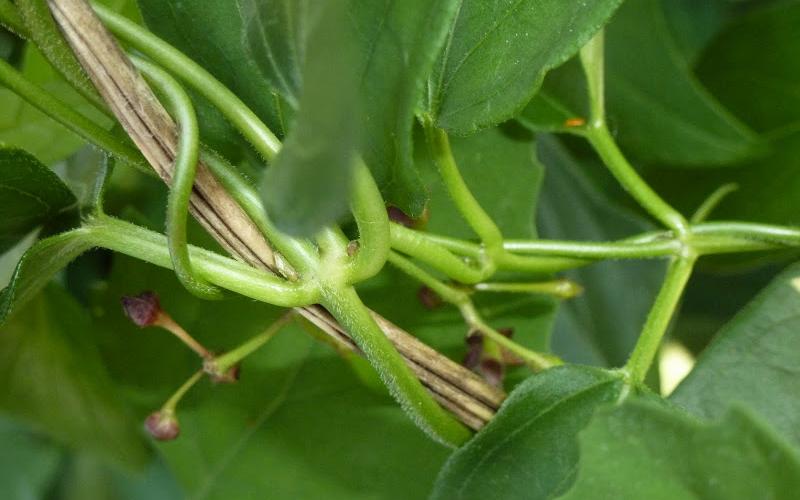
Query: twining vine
{"x": 326, "y": 269}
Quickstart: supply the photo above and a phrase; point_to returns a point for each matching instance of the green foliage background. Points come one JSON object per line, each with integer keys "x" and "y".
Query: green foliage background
{"x": 699, "y": 94}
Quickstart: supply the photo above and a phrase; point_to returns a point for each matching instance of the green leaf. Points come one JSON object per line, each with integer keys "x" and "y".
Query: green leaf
{"x": 645, "y": 451}
{"x": 52, "y": 377}
{"x": 30, "y": 195}
{"x": 659, "y": 111}
{"x": 308, "y": 184}
{"x": 37, "y": 266}
{"x": 757, "y": 53}
{"x": 602, "y": 325}
{"x": 398, "y": 42}
{"x": 662, "y": 113}
{"x": 499, "y": 51}
{"x": 753, "y": 361}
{"x": 211, "y": 34}
{"x": 530, "y": 449}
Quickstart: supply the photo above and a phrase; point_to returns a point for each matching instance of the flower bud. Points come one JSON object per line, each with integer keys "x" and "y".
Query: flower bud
{"x": 143, "y": 309}
{"x": 162, "y": 425}
{"x": 428, "y": 298}
{"x": 492, "y": 371}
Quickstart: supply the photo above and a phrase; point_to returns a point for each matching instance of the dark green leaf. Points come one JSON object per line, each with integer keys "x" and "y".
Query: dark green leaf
{"x": 754, "y": 361}
{"x": 499, "y": 51}
{"x": 52, "y": 377}
{"x": 662, "y": 113}
{"x": 37, "y": 266}
{"x": 30, "y": 195}
{"x": 398, "y": 42}
{"x": 530, "y": 449}
{"x": 757, "y": 54}
{"x": 645, "y": 451}
{"x": 657, "y": 108}
{"x": 602, "y": 325}
{"x": 308, "y": 184}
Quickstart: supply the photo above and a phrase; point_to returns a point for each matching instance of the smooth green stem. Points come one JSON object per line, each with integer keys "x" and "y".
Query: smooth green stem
{"x": 149, "y": 246}
{"x": 11, "y": 19}
{"x": 412, "y": 243}
{"x": 191, "y": 73}
{"x": 345, "y": 305}
{"x": 172, "y": 402}
{"x": 47, "y": 37}
{"x": 713, "y": 200}
{"x": 678, "y": 273}
{"x": 302, "y": 254}
{"x": 462, "y": 301}
{"x": 467, "y": 205}
{"x": 183, "y": 174}
{"x": 593, "y": 61}
{"x": 226, "y": 361}
{"x": 74, "y": 121}
{"x": 369, "y": 212}
{"x": 595, "y": 250}
{"x": 600, "y": 138}
{"x": 562, "y": 288}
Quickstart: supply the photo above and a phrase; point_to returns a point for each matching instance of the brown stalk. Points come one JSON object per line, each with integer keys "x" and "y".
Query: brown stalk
{"x": 457, "y": 389}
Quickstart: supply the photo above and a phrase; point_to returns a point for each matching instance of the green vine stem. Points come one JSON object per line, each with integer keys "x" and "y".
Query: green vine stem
{"x": 369, "y": 212}
{"x": 345, "y": 305}
{"x": 561, "y": 288}
{"x": 185, "y": 167}
{"x": 149, "y": 246}
{"x": 459, "y": 298}
{"x": 593, "y": 61}
{"x": 462, "y": 197}
{"x": 678, "y": 273}
{"x": 191, "y": 73}
{"x": 74, "y": 121}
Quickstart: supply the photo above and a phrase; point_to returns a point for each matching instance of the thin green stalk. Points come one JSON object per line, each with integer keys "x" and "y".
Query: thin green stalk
{"x": 594, "y": 250}
{"x": 713, "y": 200}
{"x": 561, "y": 288}
{"x": 460, "y": 299}
{"x": 345, "y": 305}
{"x": 600, "y": 138}
{"x": 191, "y": 73}
{"x": 678, "y": 273}
{"x": 593, "y": 61}
{"x": 369, "y": 212}
{"x": 172, "y": 403}
{"x": 74, "y": 121}
{"x": 11, "y": 19}
{"x": 149, "y": 246}
{"x": 412, "y": 243}
{"x": 226, "y": 361}
{"x": 467, "y": 205}
{"x": 185, "y": 168}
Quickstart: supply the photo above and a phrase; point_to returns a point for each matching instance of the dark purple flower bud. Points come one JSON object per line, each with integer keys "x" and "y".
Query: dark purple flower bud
{"x": 507, "y": 332}
{"x": 397, "y": 215}
{"x": 474, "y": 350}
{"x": 143, "y": 309}
{"x": 492, "y": 371}
{"x": 428, "y": 298}
{"x": 162, "y": 425}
